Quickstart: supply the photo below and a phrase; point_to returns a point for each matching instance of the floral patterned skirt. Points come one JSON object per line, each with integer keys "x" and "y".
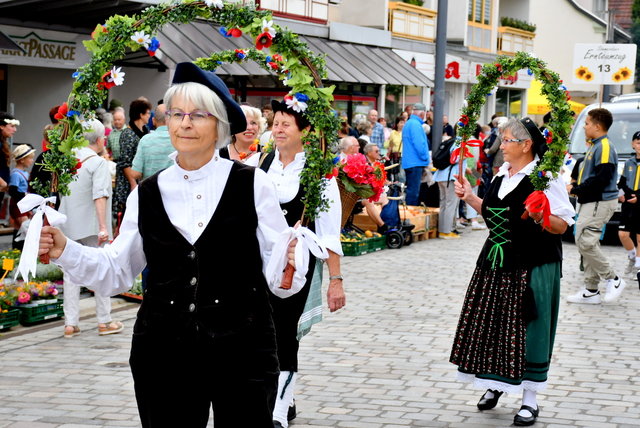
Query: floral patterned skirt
{"x": 491, "y": 335}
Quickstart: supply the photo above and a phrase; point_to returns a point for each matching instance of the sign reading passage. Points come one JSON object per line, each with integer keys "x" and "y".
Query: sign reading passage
{"x": 605, "y": 64}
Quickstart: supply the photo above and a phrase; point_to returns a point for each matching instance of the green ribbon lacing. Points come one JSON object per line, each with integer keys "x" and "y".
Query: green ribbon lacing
{"x": 497, "y": 225}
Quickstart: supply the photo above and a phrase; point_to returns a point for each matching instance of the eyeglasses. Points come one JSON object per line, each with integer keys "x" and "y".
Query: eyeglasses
{"x": 196, "y": 116}
{"x": 511, "y": 140}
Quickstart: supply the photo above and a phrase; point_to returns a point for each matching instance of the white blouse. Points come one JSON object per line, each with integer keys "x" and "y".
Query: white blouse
{"x": 556, "y": 192}
{"x": 287, "y": 182}
{"x": 190, "y": 198}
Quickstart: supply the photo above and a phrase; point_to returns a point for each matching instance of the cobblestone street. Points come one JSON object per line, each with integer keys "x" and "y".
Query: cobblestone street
{"x": 380, "y": 362}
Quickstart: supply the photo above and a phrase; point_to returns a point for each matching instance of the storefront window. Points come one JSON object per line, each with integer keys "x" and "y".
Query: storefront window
{"x": 398, "y": 97}
{"x": 508, "y": 102}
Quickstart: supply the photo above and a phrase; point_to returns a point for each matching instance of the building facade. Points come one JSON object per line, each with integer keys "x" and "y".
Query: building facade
{"x": 380, "y": 56}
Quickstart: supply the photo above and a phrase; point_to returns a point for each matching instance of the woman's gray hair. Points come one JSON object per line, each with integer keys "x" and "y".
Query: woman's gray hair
{"x": 369, "y": 147}
{"x": 107, "y": 120}
{"x": 252, "y": 112}
{"x": 202, "y": 98}
{"x": 345, "y": 142}
{"x": 94, "y": 130}
{"x": 497, "y": 121}
{"x": 516, "y": 128}
{"x": 364, "y": 127}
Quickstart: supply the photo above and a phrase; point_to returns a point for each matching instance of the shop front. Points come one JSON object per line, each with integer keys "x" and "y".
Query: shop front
{"x": 38, "y": 77}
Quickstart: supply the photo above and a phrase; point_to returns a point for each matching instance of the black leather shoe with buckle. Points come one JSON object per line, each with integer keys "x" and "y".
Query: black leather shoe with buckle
{"x": 525, "y": 421}
{"x": 489, "y": 403}
{"x": 292, "y": 413}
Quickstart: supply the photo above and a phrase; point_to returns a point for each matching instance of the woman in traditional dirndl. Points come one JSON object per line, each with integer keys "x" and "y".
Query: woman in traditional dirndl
{"x": 506, "y": 330}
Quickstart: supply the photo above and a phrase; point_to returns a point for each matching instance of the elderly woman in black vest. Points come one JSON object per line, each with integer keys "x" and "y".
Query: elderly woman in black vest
{"x": 204, "y": 227}
{"x": 507, "y": 326}
{"x": 284, "y": 166}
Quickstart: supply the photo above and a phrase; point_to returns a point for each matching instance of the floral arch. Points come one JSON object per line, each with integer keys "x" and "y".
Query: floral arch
{"x": 289, "y": 59}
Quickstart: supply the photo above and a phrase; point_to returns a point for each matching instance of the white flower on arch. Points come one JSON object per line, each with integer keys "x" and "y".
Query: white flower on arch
{"x": 141, "y": 38}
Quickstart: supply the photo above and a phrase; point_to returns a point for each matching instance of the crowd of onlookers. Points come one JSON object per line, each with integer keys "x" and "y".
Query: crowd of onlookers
{"x": 407, "y": 149}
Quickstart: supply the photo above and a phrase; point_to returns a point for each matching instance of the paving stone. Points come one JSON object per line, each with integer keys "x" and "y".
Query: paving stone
{"x": 380, "y": 362}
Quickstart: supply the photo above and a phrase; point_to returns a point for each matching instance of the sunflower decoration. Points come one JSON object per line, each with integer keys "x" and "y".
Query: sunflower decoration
{"x": 584, "y": 73}
{"x": 617, "y": 76}
{"x": 624, "y": 73}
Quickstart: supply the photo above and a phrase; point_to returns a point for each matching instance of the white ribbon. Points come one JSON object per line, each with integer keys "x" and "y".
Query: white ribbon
{"x": 307, "y": 242}
{"x": 29, "y": 257}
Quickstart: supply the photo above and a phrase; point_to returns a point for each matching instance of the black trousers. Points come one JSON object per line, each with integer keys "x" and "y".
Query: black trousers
{"x": 286, "y": 314}
{"x": 178, "y": 381}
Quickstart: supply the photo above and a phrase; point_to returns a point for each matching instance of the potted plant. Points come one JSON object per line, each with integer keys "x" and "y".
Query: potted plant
{"x": 9, "y": 315}
{"x": 519, "y": 24}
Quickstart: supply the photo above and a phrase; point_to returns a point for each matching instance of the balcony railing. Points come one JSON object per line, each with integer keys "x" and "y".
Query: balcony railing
{"x": 307, "y": 10}
{"x": 412, "y": 22}
{"x": 512, "y": 40}
{"x": 478, "y": 36}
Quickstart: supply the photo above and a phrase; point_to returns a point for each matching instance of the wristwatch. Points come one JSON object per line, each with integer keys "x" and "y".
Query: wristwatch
{"x": 332, "y": 277}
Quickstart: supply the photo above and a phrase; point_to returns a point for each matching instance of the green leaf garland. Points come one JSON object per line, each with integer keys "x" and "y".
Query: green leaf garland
{"x": 561, "y": 118}
{"x": 289, "y": 58}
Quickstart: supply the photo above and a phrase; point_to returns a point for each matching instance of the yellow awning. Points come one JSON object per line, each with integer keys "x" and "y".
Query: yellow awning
{"x": 538, "y": 104}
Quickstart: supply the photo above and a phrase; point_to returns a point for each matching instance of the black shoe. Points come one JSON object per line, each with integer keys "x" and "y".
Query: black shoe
{"x": 291, "y": 413}
{"x": 489, "y": 403}
{"x": 525, "y": 421}
{"x": 277, "y": 424}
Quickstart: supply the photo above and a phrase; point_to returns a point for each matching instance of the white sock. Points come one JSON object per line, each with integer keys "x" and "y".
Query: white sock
{"x": 638, "y": 262}
{"x": 489, "y": 394}
{"x": 631, "y": 254}
{"x": 528, "y": 399}
{"x": 286, "y": 385}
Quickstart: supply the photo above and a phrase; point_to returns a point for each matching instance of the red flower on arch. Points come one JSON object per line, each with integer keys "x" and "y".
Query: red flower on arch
{"x": 264, "y": 40}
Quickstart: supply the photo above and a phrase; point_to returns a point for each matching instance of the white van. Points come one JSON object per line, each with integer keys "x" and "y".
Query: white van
{"x": 626, "y": 121}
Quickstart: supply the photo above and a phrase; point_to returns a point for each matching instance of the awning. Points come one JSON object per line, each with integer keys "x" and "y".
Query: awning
{"x": 346, "y": 62}
{"x": 538, "y": 104}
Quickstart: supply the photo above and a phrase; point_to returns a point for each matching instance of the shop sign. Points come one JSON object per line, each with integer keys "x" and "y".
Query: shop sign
{"x": 44, "y": 48}
{"x": 519, "y": 80}
{"x": 452, "y": 71}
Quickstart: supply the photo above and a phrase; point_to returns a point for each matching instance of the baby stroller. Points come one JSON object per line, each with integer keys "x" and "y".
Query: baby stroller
{"x": 399, "y": 231}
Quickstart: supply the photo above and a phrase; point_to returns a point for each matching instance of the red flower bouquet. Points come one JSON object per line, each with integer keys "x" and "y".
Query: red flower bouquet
{"x": 360, "y": 177}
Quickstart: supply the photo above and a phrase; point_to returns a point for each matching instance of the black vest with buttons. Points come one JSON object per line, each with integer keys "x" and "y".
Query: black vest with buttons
{"x": 215, "y": 288}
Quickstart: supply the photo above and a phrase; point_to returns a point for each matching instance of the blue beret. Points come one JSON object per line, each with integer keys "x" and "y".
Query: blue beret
{"x": 189, "y": 72}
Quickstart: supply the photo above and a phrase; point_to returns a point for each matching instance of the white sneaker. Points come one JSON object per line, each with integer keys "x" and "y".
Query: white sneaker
{"x": 585, "y": 296}
{"x": 477, "y": 226}
{"x": 614, "y": 289}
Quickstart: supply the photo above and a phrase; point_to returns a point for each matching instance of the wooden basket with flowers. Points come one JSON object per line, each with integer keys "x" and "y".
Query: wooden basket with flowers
{"x": 358, "y": 179}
